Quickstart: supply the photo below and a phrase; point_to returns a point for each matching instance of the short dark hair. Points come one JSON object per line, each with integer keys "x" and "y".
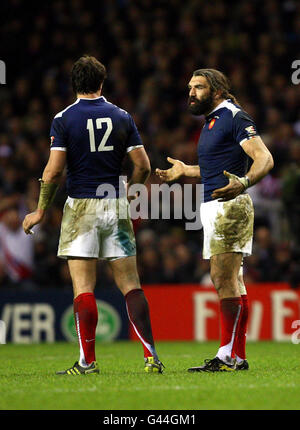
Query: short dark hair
{"x": 217, "y": 81}
{"x": 87, "y": 75}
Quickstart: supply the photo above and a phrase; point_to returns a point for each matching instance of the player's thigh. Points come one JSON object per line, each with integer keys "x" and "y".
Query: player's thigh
{"x": 224, "y": 269}
{"x": 83, "y": 272}
{"x": 125, "y": 273}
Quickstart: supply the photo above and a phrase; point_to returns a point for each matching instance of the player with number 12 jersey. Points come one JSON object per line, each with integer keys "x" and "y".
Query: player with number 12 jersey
{"x": 91, "y": 137}
{"x": 96, "y": 135}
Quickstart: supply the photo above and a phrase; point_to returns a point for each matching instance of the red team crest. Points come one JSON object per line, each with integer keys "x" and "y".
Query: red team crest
{"x": 51, "y": 140}
{"x": 212, "y": 123}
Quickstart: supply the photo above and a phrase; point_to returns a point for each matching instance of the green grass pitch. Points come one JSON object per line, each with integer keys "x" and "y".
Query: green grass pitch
{"x": 28, "y": 380}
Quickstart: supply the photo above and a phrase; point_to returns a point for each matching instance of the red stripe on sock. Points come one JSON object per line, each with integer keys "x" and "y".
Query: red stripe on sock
{"x": 230, "y": 313}
{"x": 240, "y": 346}
{"x": 139, "y": 316}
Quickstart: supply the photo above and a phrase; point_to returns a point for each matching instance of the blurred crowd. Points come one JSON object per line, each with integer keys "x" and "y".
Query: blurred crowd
{"x": 150, "y": 49}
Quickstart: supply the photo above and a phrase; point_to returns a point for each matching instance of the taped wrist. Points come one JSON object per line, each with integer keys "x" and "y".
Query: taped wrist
{"x": 244, "y": 181}
{"x": 47, "y": 194}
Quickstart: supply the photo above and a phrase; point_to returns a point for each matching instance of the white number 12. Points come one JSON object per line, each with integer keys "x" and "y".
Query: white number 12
{"x": 99, "y": 122}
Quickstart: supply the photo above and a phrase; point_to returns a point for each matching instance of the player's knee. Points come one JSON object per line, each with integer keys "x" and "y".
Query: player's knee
{"x": 83, "y": 288}
{"x": 126, "y": 288}
{"x": 127, "y": 283}
{"x": 223, "y": 281}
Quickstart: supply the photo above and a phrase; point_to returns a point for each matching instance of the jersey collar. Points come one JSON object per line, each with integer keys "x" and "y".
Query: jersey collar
{"x": 220, "y": 106}
{"x": 96, "y": 98}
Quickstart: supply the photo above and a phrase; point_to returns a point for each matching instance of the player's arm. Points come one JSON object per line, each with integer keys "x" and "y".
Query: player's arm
{"x": 141, "y": 169}
{"x": 49, "y": 185}
{"x": 177, "y": 170}
{"x": 141, "y": 166}
{"x": 262, "y": 164}
{"x": 137, "y": 154}
{"x": 262, "y": 159}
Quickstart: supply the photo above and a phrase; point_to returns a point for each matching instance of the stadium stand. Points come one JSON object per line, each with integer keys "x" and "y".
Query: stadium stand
{"x": 150, "y": 50}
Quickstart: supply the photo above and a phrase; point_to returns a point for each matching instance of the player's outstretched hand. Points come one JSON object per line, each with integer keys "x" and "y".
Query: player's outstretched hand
{"x": 32, "y": 219}
{"x": 173, "y": 173}
{"x": 230, "y": 191}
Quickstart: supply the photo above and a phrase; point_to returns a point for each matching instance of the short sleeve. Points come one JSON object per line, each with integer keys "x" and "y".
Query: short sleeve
{"x": 244, "y": 127}
{"x": 57, "y": 135}
{"x": 134, "y": 139}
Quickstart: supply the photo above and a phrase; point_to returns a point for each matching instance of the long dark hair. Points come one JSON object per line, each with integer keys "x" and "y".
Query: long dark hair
{"x": 217, "y": 81}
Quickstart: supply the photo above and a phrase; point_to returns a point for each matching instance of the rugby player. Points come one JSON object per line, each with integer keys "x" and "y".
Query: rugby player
{"x": 91, "y": 137}
{"x": 228, "y": 138}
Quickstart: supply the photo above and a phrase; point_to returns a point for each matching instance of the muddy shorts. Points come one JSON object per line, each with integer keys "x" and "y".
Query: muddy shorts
{"x": 96, "y": 228}
{"x": 227, "y": 226}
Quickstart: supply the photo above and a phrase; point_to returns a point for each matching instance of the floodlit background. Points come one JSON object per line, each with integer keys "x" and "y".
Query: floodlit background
{"x": 150, "y": 49}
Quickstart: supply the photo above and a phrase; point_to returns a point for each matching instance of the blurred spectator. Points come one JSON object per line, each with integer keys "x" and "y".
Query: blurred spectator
{"x": 264, "y": 249}
{"x": 149, "y": 266}
{"x": 291, "y": 186}
{"x": 251, "y": 268}
{"x": 16, "y": 249}
{"x": 267, "y": 200}
{"x": 283, "y": 262}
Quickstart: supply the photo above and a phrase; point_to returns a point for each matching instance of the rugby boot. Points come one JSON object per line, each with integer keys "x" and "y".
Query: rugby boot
{"x": 214, "y": 365}
{"x": 76, "y": 369}
{"x": 153, "y": 366}
{"x": 243, "y": 365}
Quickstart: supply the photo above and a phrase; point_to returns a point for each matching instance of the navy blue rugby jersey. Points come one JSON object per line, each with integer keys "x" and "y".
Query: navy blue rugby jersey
{"x": 220, "y": 145}
{"x": 96, "y": 135}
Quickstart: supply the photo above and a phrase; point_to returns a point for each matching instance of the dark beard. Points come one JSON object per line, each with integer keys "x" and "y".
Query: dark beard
{"x": 200, "y": 107}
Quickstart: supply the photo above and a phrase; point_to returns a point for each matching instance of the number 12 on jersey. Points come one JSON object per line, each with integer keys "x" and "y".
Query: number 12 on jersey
{"x": 99, "y": 122}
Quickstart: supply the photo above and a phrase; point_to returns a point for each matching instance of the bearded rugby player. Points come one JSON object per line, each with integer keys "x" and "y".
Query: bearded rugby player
{"x": 228, "y": 138}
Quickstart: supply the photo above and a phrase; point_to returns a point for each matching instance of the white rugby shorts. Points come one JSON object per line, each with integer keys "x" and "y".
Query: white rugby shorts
{"x": 227, "y": 226}
{"x": 96, "y": 228}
